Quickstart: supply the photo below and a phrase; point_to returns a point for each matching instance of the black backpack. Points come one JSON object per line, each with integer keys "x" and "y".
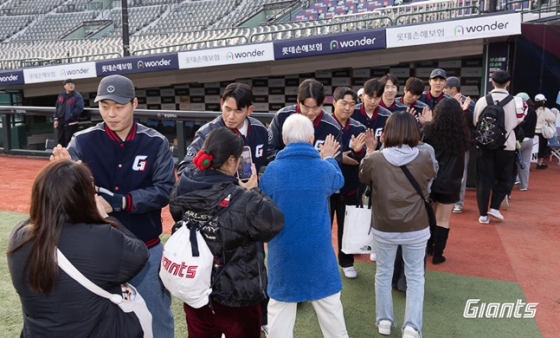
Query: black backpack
{"x": 490, "y": 131}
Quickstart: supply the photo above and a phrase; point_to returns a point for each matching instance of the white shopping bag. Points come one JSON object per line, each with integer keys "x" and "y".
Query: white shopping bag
{"x": 357, "y": 237}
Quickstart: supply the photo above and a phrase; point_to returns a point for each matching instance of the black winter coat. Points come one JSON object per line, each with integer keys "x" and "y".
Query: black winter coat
{"x": 107, "y": 257}
{"x": 236, "y": 238}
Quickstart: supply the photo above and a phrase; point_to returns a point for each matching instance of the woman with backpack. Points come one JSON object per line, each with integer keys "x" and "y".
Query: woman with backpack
{"x": 449, "y": 135}
{"x": 544, "y": 115}
{"x": 246, "y": 219}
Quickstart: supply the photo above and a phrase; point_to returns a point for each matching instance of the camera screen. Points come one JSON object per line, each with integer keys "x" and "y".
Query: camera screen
{"x": 244, "y": 170}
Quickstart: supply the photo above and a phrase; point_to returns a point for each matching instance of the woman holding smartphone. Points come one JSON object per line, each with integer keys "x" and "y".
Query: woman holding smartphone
{"x": 247, "y": 218}
{"x": 66, "y": 214}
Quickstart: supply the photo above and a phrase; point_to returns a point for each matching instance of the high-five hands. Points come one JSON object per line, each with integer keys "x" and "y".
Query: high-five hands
{"x": 330, "y": 148}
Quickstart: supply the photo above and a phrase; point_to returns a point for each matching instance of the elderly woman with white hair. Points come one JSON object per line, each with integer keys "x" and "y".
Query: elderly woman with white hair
{"x": 302, "y": 265}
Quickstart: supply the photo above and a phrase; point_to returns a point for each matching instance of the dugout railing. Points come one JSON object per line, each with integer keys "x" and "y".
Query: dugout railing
{"x": 178, "y": 126}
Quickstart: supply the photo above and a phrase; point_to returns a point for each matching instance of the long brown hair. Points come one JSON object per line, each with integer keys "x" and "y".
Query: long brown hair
{"x": 63, "y": 192}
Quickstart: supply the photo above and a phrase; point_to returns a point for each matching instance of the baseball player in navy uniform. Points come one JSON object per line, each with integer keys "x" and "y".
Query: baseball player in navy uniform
{"x": 237, "y": 106}
{"x": 353, "y": 150}
{"x": 68, "y": 109}
{"x": 310, "y": 98}
{"x": 413, "y": 89}
{"x": 370, "y": 113}
{"x": 390, "y": 91}
{"x": 437, "y": 82}
{"x": 133, "y": 173}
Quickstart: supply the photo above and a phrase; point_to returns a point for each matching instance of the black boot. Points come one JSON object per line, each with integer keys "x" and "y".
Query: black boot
{"x": 430, "y": 245}
{"x": 440, "y": 240}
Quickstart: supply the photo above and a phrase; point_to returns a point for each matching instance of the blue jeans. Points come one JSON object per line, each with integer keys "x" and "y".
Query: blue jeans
{"x": 413, "y": 255}
{"x": 157, "y": 298}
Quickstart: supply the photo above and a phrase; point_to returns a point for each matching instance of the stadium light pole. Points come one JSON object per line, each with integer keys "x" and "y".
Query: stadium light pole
{"x": 125, "y": 37}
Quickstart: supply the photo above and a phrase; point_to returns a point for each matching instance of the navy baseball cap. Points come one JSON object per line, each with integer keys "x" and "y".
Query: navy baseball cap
{"x": 115, "y": 88}
{"x": 452, "y": 81}
{"x": 67, "y": 81}
{"x": 438, "y": 72}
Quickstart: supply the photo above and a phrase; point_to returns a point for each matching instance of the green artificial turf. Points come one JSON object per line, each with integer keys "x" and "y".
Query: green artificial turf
{"x": 445, "y": 298}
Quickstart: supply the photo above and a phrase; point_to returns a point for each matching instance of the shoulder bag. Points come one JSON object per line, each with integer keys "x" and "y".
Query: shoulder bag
{"x": 427, "y": 202}
{"x": 132, "y": 303}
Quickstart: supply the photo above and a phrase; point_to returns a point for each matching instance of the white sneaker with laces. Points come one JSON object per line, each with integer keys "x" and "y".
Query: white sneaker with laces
{"x": 496, "y": 214}
{"x": 457, "y": 209}
{"x": 350, "y": 272}
{"x": 373, "y": 257}
{"x": 410, "y": 332}
{"x": 484, "y": 220}
{"x": 384, "y": 327}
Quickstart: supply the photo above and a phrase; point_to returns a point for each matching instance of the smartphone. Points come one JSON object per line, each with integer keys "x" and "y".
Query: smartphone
{"x": 244, "y": 171}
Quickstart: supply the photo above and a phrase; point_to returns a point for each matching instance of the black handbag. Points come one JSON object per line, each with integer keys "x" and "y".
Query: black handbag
{"x": 428, "y": 203}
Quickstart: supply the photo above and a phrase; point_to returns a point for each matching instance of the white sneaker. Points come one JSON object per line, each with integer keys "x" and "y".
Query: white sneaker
{"x": 457, "y": 209}
{"x": 384, "y": 327}
{"x": 373, "y": 257}
{"x": 484, "y": 220}
{"x": 409, "y": 332}
{"x": 496, "y": 214}
{"x": 350, "y": 272}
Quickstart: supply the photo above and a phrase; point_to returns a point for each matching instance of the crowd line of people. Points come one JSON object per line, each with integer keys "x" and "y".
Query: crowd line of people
{"x": 99, "y": 201}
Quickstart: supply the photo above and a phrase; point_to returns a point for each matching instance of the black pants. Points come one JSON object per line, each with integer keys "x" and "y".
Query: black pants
{"x": 339, "y": 204}
{"x": 494, "y": 169}
{"x": 65, "y": 133}
{"x": 544, "y": 149}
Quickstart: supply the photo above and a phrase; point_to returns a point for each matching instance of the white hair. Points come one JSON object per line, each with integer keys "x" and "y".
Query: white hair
{"x": 297, "y": 128}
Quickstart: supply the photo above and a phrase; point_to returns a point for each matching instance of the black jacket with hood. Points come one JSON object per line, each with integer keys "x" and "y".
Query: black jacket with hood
{"x": 235, "y": 238}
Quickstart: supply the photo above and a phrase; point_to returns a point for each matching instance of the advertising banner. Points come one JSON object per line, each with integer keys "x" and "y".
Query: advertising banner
{"x": 138, "y": 64}
{"x": 455, "y": 30}
{"x": 334, "y": 44}
{"x": 12, "y": 77}
{"x": 226, "y": 56}
{"x": 60, "y": 72}
{"x": 496, "y": 59}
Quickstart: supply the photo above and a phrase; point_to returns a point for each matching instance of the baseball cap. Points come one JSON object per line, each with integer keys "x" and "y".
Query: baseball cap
{"x": 115, "y": 88}
{"x": 65, "y": 82}
{"x": 540, "y": 97}
{"x": 438, "y": 72}
{"x": 452, "y": 81}
{"x": 524, "y": 96}
{"x": 360, "y": 91}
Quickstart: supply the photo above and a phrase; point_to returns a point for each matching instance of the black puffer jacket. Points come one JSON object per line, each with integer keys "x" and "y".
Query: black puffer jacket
{"x": 235, "y": 240}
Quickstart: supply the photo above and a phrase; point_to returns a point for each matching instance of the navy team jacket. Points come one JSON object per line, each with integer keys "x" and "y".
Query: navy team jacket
{"x": 324, "y": 126}
{"x": 350, "y": 172}
{"x": 140, "y": 168}
{"x": 376, "y": 122}
{"x": 257, "y": 140}
{"x": 431, "y": 101}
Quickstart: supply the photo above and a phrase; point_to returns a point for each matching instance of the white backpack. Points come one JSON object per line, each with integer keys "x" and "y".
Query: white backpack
{"x": 186, "y": 266}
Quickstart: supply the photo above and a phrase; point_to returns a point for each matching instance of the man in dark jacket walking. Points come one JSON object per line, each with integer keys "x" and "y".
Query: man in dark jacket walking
{"x": 69, "y": 106}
